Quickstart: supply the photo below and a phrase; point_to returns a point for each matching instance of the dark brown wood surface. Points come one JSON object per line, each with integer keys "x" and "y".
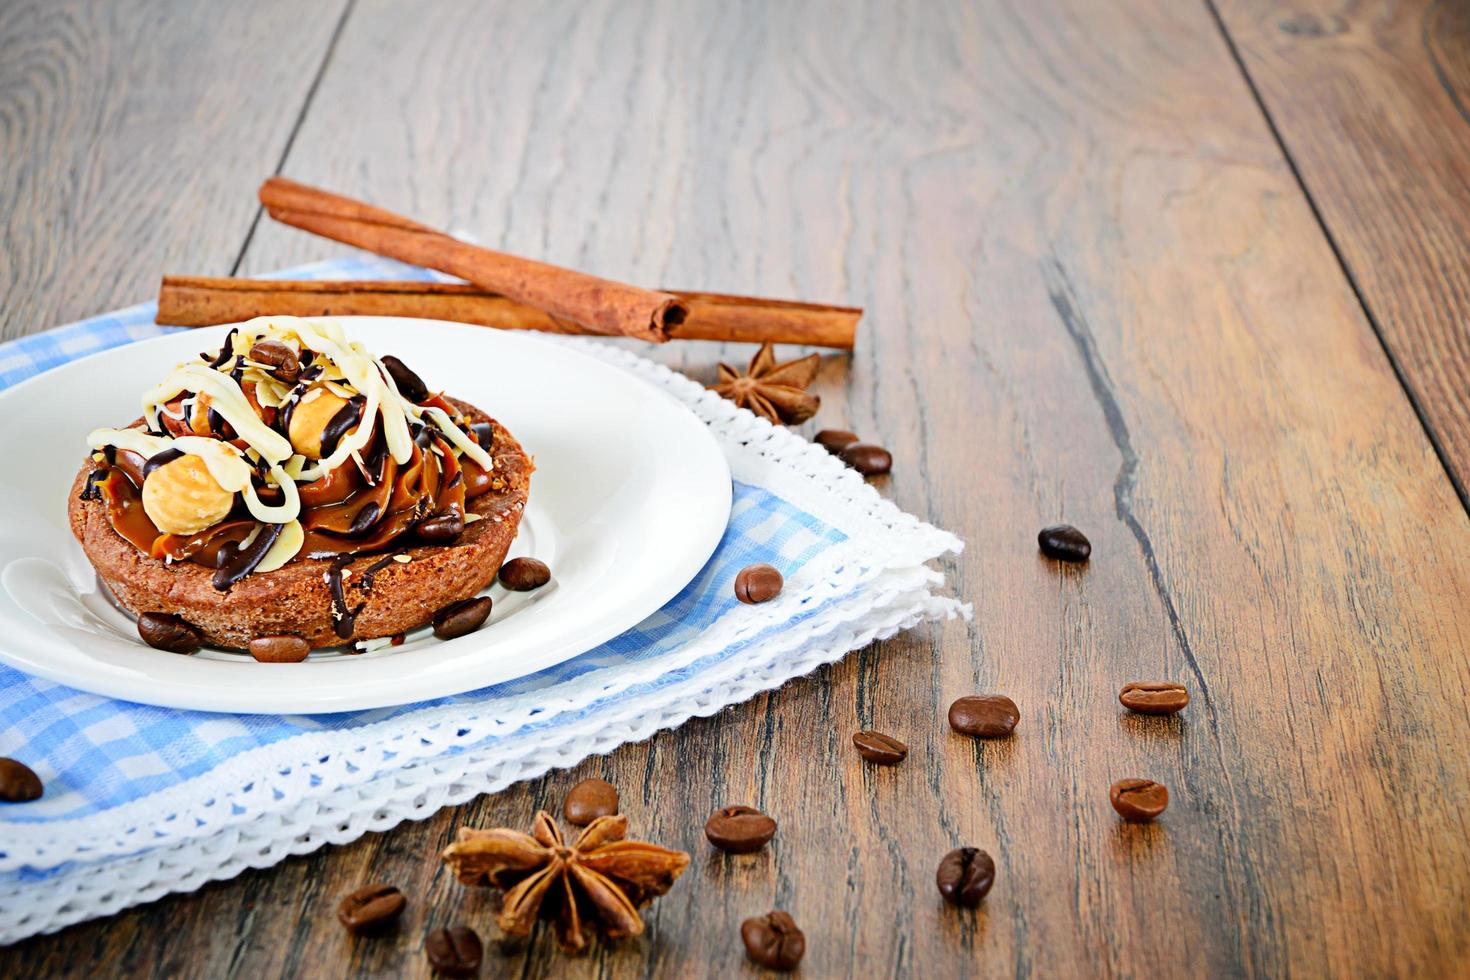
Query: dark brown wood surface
{"x": 1372, "y": 100}
{"x": 132, "y": 135}
{"x": 1096, "y": 292}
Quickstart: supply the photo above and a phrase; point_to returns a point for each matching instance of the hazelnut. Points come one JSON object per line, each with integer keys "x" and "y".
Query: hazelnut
{"x": 183, "y": 497}
{"x": 199, "y": 416}
{"x": 310, "y": 417}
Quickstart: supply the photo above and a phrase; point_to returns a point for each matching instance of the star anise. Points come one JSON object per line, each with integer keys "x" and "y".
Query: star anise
{"x": 776, "y": 392}
{"x": 600, "y": 875}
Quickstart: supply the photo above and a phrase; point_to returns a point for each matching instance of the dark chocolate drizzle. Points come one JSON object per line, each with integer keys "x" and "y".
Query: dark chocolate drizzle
{"x": 91, "y": 491}
{"x": 347, "y": 417}
{"x": 283, "y": 414}
{"x": 365, "y": 519}
{"x": 224, "y": 350}
{"x": 159, "y": 459}
{"x": 237, "y": 562}
{"x": 409, "y": 384}
{"x": 377, "y": 465}
{"x": 344, "y": 620}
{"x": 484, "y": 432}
{"x": 373, "y": 569}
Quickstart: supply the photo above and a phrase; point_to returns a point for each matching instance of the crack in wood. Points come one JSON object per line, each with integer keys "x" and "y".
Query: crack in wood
{"x": 1059, "y": 292}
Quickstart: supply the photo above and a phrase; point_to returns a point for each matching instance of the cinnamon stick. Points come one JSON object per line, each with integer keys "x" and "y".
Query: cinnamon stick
{"x": 196, "y": 301}
{"x": 599, "y": 305}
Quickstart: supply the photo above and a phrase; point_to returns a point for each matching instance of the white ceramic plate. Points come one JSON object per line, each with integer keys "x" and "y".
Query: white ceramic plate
{"x": 630, "y": 497}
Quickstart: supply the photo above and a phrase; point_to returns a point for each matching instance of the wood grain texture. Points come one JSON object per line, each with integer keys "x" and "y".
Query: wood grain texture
{"x": 1372, "y": 100}
{"x": 1094, "y": 293}
{"x": 132, "y": 137}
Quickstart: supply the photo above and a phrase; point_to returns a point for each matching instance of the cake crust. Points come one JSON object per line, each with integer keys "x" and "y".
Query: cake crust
{"x": 296, "y": 599}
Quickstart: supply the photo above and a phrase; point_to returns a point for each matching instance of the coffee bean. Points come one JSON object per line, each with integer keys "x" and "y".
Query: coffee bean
{"x": 835, "y": 440}
{"x": 1154, "y": 697}
{"x": 758, "y": 583}
{"x": 454, "y": 952}
{"x": 867, "y": 459}
{"x": 1064, "y": 542}
{"x": 524, "y": 574}
{"x": 410, "y": 385}
{"x": 876, "y": 747}
{"x": 773, "y": 940}
{"x": 284, "y": 362}
{"x": 459, "y": 618}
{"x": 164, "y": 631}
{"x": 1138, "y": 800}
{"x": 18, "y": 782}
{"x": 739, "y": 829}
{"x": 441, "y": 528}
{"x": 371, "y": 909}
{"x": 984, "y": 715}
{"x": 590, "y": 799}
{"x": 279, "y": 649}
{"x": 965, "y": 875}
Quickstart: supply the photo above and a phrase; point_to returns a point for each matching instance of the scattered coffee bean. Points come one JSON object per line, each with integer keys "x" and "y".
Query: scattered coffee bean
{"x": 758, "y": 583}
{"x": 18, "y": 782}
{"x": 454, "y": 952}
{"x": 284, "y": 362}
{"x": 524, "y": 574}
{"x": 371, "y": 909}
{"x": 1154, "y": 697}
{"x": 459, "y": 618}
{"x": 739, "y": 829}
{"x": 881, "y": 749}
{"x": 835, "y": 440}
{"x": 1064, "y": 542}
{"x": 279, "y": 649}
{"x": 984, "y": 715}
{"x": 165, "y": 631}
{"x": 410, "y": 385}
{"x": 965, "y": 875}
{"x": 773, "y": 940}
{"x": 590, "y": 799}
{"x": 440, "y": 529}
{"x": 867, "y": 459}
{"x": 1138, "y": 800}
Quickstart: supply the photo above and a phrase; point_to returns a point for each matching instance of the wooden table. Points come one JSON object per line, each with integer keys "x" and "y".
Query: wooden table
{"x": 1194, "y": 276}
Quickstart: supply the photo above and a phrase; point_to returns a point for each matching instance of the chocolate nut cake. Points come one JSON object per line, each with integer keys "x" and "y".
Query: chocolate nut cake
{"x": 292, "y": 485}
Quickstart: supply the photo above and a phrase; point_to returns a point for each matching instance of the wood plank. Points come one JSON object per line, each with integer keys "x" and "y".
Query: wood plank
{"x": 1094, "y": 293}
{"x": 132, "y": 135}
{"x": 1372, "y": 100}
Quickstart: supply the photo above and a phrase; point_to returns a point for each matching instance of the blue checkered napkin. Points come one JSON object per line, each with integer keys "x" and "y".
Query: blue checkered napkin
{"x": 141, "y": 800}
